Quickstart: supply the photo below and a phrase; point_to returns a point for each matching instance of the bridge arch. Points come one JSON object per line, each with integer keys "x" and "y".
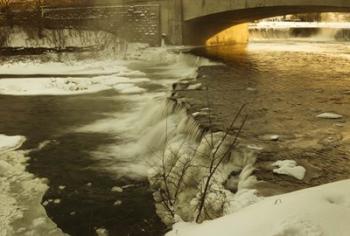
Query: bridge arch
{"x": 205, "y": 18}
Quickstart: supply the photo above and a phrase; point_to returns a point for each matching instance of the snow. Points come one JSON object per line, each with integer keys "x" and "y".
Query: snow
{"x": 20, "y": 194}
{"x": 319, "y": 211}
{"x": 290, "y": 168}
{"x": 73, "y": 67}
{"x": 8, "y": 143}
{"x": 67, "y": 86}
{"x": 73, "y": 78}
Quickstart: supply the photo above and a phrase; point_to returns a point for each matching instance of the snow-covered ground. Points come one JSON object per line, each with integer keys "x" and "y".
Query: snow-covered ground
{"x": 21, "y": 212}
{"x": 319, "y": 211}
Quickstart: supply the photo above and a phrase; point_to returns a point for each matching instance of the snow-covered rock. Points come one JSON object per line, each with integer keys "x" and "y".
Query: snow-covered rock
{"x": 319, "y": 211}
{"x": 290, "y": 168}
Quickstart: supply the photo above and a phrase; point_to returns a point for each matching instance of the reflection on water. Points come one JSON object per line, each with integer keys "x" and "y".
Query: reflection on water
{"x": 235, "y": 52}
{"x": 285, "y": 85}
{"x": 233, "y": 35}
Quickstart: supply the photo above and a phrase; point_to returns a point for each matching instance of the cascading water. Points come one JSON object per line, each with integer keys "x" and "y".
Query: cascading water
{"x": 130, "y": 134}
{"x": 296, "y": 31}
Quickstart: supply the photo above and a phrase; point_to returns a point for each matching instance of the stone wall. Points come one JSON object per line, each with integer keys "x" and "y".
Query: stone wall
{"x": 135, "y": 23}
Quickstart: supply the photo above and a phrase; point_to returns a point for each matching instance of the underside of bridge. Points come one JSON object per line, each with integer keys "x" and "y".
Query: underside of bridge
{"x": 197, "y": 31}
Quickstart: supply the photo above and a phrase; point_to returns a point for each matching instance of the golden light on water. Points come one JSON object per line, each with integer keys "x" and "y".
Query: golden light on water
{"x": 238, "y": 34}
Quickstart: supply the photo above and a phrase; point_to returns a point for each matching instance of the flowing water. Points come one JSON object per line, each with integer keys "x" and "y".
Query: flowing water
{"x": 86, "y": 143}
{"x": 285, "y": 84}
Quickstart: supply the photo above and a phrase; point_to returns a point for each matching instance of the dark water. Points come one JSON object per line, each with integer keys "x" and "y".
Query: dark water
{"x": 87, "y": 202}
{"x": 285, "y": 85}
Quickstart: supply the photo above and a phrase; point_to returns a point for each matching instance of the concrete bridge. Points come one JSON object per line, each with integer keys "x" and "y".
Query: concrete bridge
{"x": 204, "y": 18}
{"x": 189, "y": 22}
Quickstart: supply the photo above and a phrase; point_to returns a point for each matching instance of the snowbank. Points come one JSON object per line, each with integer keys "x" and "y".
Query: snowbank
{"x": 20, "y": 194}
{"x": 319, "y": 211}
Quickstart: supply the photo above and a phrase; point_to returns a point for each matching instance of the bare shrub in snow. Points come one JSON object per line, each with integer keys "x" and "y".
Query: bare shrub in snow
{"x": 190, "y": 182}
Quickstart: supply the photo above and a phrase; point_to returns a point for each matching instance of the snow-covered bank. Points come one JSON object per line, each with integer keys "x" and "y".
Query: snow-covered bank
{"x": 21, "y": 212}
{"x": 319, "y": 211}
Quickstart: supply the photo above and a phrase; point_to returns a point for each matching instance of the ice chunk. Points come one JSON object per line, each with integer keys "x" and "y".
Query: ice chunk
{"x": 289, "y": 167}
{"x": 117, "y": 189}
{"x": 329, "y": 115}
{"x": 8, "y": 143}
{"x": 101, "y": 232}
{"x": 118, "y": 203}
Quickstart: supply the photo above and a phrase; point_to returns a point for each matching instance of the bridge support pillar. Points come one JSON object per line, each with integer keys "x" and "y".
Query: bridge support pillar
{"x": 175, "y": 22}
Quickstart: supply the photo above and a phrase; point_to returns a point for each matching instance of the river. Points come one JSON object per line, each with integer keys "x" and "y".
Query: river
{"x": 88, "y": 145}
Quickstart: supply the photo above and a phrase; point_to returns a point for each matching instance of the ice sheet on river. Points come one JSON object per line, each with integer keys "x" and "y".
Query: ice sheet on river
{"x": 76, "y": 77}
{"x": 20, "y": 194}
{"x": 69, "y": 86}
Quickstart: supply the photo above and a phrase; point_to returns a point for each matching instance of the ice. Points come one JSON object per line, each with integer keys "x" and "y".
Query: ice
{"x": 74, "y": 67}
{"x": 196, "y": 86}
{"x": 61, "y": 187}
{"x": 57, "y": 201}
{"x": 308, "y": 212}
{"x": 289, "y": 167}
{"x": 329, "y": 115}
{"x": 8, "y": 143}
{"x": 101, "y": 232}
{"x": 67, "y": 86}
{"x": 117, "y": 189}
{"x": 20, "y": 194}
{"x": 118, "y": 203}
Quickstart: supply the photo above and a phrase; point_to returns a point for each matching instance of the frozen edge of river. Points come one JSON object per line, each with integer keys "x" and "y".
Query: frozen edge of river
{"x": 21, "y": 212}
